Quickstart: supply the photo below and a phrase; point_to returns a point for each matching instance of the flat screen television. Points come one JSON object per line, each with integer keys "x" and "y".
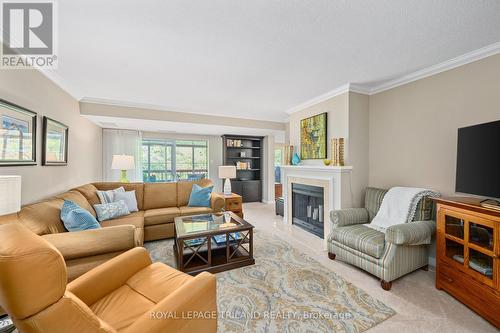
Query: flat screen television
{"x": 478, "y": 160}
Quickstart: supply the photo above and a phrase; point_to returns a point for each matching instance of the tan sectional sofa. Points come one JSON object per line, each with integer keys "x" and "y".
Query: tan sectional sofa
{"x": 158, "y": 203}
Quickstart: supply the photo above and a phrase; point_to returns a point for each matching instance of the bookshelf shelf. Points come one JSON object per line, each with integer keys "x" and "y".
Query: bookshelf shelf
{"x": 248, "y": 183}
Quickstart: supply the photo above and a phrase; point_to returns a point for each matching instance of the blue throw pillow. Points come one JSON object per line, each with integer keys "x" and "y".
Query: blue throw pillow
{"x": 111, "y": 210}
{"x": 200, "y": 196}
{"x": 75, "y": 218}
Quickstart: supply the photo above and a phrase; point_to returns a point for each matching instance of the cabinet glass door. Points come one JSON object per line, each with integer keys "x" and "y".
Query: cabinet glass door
{"x": 481, "y": 247}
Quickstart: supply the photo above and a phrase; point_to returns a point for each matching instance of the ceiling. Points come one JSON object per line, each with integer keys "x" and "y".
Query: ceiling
{"x": 256, "y": 59}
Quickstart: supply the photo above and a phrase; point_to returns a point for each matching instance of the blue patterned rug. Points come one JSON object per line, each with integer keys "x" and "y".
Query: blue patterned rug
{"x": 286, "y": 291}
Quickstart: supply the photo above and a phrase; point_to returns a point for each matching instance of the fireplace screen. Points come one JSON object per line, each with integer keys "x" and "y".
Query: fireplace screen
{"x": 308, "y": 208}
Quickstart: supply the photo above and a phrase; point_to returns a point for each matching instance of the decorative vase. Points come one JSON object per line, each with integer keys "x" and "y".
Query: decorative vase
{"x": 295, "y": 159}
{"x": 338, "y": 152}
{"x": 327, "y": 162}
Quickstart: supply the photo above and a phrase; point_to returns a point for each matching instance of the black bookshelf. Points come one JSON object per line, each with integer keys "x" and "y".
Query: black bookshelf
{"x": 245, "y": 152}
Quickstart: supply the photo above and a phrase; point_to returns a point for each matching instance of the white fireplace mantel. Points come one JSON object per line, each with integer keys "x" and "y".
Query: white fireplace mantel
{"x": 336, "y": 183}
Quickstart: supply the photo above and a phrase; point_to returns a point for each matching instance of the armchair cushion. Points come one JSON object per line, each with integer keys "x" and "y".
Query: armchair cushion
{"x": 361, "y": 238}
{"x": 349, "y": 216}
{"x": 414, "y": 233}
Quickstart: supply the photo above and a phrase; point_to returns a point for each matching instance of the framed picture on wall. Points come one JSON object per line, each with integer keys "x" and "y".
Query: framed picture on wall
{"x": 313, "y": 137}
{"x": 55, "y": 142}
{"x": 17, "y": 135}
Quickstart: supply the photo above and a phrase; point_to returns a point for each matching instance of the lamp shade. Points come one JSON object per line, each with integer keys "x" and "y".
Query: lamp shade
{"x": 10, "y": 194}
{"x": 227, "y": 171}
{"x": 123, "y": 162}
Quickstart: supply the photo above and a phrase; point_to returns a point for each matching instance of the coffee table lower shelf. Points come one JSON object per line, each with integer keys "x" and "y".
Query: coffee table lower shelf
{"x": 215, "y": 263}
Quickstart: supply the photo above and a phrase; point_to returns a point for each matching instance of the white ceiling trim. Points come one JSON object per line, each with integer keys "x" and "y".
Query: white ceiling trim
{"x": 464, "y": 59}
{"x": 321, "y": 98}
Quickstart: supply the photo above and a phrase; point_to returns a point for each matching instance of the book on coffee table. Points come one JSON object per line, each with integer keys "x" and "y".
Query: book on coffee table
{"x": 221, "y": 239}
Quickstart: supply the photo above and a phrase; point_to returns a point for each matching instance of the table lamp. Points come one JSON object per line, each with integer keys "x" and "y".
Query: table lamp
{"x": 10, "y": 194}
{"x": 226, "y": 172}
{"x": 123, "y": 163}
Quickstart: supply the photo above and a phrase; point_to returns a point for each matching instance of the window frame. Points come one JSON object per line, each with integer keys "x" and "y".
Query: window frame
{"x": 173, "y": 172}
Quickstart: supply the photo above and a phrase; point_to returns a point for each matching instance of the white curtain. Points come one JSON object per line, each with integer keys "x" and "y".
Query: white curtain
{"x": 121, "y": 142}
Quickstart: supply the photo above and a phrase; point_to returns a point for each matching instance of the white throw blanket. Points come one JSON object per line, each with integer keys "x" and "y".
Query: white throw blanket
{"x": 398, "y": 206}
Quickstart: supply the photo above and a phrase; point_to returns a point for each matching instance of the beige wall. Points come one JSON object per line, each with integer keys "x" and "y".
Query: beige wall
{"x": 358, "y": 145}
{"x": 338, "y": 121}
{"x": 121, "y": 111}
{"x": 413, "y": 128}
{"x": 347, "y": 118}
{"x": 32, "y": 90}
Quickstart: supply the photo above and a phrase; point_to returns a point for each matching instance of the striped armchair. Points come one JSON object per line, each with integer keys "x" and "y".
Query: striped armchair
{"x": 401, "y": 250}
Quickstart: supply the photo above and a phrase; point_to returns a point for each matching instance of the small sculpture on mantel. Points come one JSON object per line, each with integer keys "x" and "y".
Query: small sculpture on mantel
{"x": 296, "y": 159}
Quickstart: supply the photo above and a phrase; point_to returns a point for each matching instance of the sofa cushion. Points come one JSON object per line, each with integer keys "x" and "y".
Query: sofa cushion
{"x": 136, "y": 219}
{"x": 138, "y": 187}
{"x": 160, "y": 195}
{"x": 89, "y": 191}
{"x": 185, "y": 210}
{"x": 161, "y": 215}
{"x": 78, "y": 198}
{"x": 43, "y": 217}
{"x": 361, "y": 238}
{"x": 184, "y": 190}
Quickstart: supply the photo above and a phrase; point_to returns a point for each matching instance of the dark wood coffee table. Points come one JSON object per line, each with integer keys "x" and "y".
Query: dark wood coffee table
{"x": 201, "y": 243}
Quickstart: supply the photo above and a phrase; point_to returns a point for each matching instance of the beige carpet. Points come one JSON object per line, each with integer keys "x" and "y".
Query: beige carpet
{"x": 286, "y": 291}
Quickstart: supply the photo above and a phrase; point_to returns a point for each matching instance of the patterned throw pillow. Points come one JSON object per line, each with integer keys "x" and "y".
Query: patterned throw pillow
{"x": 129, "y": 198}
{"x": 75, "y": 218}
{"x": 109, "y": 196}
{"x": 111, "y": 210}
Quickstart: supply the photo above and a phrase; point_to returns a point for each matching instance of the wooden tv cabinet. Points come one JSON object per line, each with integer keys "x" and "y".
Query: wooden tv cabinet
{"x": 468, "y": 251}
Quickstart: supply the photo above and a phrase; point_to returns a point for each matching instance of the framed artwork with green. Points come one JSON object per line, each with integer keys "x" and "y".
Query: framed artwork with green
{"x": 17, "y": 135}
{"x": 313, "y": 137}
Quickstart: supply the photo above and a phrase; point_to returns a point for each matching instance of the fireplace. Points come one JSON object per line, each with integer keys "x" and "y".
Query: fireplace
{"x": 308, "y": 208}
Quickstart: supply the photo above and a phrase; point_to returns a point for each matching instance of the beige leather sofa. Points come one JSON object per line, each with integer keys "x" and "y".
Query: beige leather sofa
{"x": 158, "y": 203}
{"x": 126, "y": 294}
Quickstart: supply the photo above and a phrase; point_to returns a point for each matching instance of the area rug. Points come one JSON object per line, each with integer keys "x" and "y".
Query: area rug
{"x": 286, "y": 291}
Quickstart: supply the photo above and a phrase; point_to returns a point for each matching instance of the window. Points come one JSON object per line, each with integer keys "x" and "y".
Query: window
{"x": 172, "y": 160}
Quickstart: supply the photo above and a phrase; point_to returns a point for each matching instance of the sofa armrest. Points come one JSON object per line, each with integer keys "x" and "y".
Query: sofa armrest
{"x": 109, "y": 276}
{"x": 412, "y": 233}
{"x": 349, "y": 216}
{"x": 191, "y": 308}
{"x": 86, "y": 243}
{"x": 217, "y": 202}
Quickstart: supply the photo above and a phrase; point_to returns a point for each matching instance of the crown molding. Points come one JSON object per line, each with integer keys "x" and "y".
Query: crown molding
{"x": 321, "y": 98}
{"x": 366, "y": 89}
{"x": 464, "y": 59}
